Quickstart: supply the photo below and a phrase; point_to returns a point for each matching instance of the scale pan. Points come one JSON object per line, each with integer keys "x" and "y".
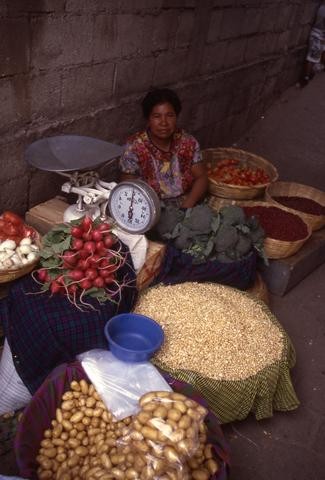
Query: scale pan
{"x": 64, "y": 153}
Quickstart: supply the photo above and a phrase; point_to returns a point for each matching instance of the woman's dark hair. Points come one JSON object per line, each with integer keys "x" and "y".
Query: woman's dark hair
{"x": 162, "y": 95}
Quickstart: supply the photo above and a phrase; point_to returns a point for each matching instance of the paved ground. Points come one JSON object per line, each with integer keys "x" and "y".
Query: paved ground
{"x": 289, "y": 446}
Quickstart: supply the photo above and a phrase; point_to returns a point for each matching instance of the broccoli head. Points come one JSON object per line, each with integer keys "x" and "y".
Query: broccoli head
{"x": 170, "y": 216}
{"x": 243, "y": 246}
{"x": 232, "y": 215}
{"x": 225, "y": 238}
{"x": 199, "y": 218}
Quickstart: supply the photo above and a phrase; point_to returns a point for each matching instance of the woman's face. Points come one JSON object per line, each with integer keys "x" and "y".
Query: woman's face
{"x": 162, "y": 121}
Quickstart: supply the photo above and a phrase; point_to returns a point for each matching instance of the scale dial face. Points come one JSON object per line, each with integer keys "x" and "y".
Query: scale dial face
{"x": 134, "y": 206}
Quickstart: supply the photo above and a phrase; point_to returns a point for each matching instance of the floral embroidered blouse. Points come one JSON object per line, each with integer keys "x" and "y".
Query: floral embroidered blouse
{"x": 168, "y": 173}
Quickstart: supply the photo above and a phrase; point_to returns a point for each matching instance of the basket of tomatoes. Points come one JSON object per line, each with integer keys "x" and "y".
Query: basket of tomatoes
{"x": 237, "y": 174}
{"x": 19, "y": 247}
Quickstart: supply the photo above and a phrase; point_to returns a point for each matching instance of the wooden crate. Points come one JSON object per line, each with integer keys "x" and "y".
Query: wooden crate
{"x": 45, "y": 215}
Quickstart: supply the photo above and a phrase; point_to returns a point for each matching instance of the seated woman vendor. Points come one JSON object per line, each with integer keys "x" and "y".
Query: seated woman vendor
{"x": 164, "y": 156}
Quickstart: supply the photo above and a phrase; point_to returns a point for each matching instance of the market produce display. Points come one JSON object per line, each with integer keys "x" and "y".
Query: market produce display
{"x": 18, "y": 242}
{"x": 81, "y": 258}
{"x": 236, "y": 172}
{"x": 227, "y": 235}
{"x": 277, "y": 223}
{"x": 226, "y": 344}
{"x": 167, "y": 439}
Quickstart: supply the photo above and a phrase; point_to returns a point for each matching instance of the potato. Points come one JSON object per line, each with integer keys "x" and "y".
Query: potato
{"x": 67, "y": 405}
{"x": 76, "y": 417}
{"x": 200, "y": 474}
{"x": 149, "y": 433}
{"x": 174, "y": 414}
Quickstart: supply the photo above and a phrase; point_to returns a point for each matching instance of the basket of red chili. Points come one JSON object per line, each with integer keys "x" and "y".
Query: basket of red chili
{"x": 285, "y": 232}
{"x": 306, "y": 201}
{"x": 237, "y": 174}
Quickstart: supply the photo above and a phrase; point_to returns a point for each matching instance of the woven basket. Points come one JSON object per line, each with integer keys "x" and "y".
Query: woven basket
{"x": 290, "y": 189}
{"x": 280, "y": 248}
{"x": 15, "y": 273}
{"x": 259, "y": 289}
{"x": 238, "y": 192}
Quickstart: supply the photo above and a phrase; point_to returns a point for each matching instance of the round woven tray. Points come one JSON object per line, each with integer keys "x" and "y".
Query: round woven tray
{"x": 280, "y": 248}
{"x": 212, "y": 156}
{"x": 291, "y": 189}
{"x": 15, "y": 273}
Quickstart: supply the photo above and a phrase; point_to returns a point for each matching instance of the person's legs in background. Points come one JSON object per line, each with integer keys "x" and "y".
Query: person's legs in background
{"x": 314, "y": 56}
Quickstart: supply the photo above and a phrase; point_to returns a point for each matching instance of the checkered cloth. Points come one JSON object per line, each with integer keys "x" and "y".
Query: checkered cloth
{"x": 178, "y": 267}
{"x": 44, "y": 331}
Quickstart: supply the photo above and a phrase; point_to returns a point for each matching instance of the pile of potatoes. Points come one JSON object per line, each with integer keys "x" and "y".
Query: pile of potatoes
{"x": 166, "y": 440}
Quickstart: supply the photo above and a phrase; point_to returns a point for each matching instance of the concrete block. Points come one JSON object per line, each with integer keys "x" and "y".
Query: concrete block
{"x": 270, "y": 43}
{"x": 95, "y": 6}
{"x": 215, "y": 26}
{"x": 44, "y": 95}
{"x": 235, "y": 53}
{"x": 270, "y": 15}
{"x": 254, "y": 47}
{"x": 135, "y": 34}
{"x": 164, "y": 31}
{"x": 176, "y": 62}
{"x": 284, "y": 274}
{"x": 61, "y": 40}
{"x": 213, "y": 57}
{"x": 252, "y": 21}
{"x": 232, "y": 23}
{"x": 14, "y": 194}
{"x": 14, "y": 46}
{"x": 12, "y": 163}
{"x": 9, "y": 115}
{"x": 186, "y": 21}
{"x": 106, "y": 42}
{"x": 15, "y": 7}
{"x": 178, "y": 3}
{"x": 283, "y": 41}
{"x": 309, "y": 12}
{"x": 134, "y": 75}
{"x": 87, "y": 87}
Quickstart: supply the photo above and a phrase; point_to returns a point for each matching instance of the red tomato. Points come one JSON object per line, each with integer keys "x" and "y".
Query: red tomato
{"x": 10, "y": 229}
{"x": 2, "y": 222}
{"x": 28, "y": 232}
{"x": 12, "y": 218}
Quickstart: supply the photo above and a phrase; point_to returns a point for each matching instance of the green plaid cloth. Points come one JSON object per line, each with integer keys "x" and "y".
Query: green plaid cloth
{"x": 270, "y": 389}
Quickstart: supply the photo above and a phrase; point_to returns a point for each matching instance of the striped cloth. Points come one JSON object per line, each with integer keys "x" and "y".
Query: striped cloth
{"x": 44, "y": 331}
{"x": 270, "y": 389}
{"x": 48, "y": 397}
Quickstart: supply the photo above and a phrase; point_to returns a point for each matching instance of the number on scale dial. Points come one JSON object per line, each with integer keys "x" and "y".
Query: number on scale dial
{"x": 134, "y": 206}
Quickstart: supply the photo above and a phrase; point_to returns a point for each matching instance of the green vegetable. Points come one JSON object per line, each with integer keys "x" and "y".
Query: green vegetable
{"x": 232, "y": 215}
{"x": 225, "y": 238}
{"x": 199, "y": 218}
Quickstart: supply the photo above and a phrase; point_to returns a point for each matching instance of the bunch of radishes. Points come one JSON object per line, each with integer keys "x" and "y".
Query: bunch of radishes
{"x": 88, "y": 266}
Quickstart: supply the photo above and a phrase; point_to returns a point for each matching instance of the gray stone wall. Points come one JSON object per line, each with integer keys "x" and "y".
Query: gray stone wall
{"x": 82, "y": 67}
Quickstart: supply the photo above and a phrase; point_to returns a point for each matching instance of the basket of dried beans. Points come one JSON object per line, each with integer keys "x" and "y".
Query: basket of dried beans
{"x": 237, "y": 174}
{"x": 285, "y": 232}
{"x": 305, "y": 201}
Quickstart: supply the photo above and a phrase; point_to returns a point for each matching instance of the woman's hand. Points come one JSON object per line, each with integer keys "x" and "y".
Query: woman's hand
{"x": 199, "y": 187}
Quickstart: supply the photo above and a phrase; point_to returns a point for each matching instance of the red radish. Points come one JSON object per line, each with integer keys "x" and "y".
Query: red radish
{"x": 102, "y": 252}
{"x": 55, "y": 287}
{"x": 100, "y": 245}
{"x": 72, "y": 288}
{"x": 76, "y": 275}
{"x": 91, "y": 273}
{"x": 105, "y": 263}
{"x": 83, "y": 264}
{"x": 86, "y": 224}
{"x": 105, "y": 273}
{"x": 70, "y": 257}
{"x": 77, "y": 244}
{"x": 77, "y": 232}
{"x": 86, "y": 284}
{"x": 94, "y": 260}
{"x": 60, "y": 280}
{"x": 83, "y": 254}
{"x": 109, "y": 240}
{"x": 96, "y": 235}
{"x": 42, "y": 274}
{"x": 104, "y": 227}
{"x": 99, "y": 282}
{"x": 87, "y": 236}
{"x": 109, "y": 279}
{"x": 90, "y": 247}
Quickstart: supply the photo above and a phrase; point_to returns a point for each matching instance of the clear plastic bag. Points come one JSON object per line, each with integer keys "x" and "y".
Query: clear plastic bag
{"x": 121, "y": 384}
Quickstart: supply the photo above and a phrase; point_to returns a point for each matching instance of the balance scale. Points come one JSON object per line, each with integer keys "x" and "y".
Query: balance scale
{"x": 133, "y": 205}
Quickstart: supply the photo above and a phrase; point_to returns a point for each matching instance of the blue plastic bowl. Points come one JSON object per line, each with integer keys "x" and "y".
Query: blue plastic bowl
{"x": 132, "y": 337}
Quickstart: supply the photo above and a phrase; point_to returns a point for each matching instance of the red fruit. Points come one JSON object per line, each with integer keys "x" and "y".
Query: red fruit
{"x": 12, "y": 218}
{"x": 72, "y": 288}
{"x": 100, "y": 245}
{"x": 76, "y": 275}
{"x": 42, "y": 274}
{"x": 104, "y": 227}
{"x": 91, "y": 273}
{"x": 87, "y": 236}
{"x": 69, "y": 257}
{"x": 94, "y": 260}
{"x": 102, "y": 252}
{"x": 86, "y": 284}
{"x": 105, "y": 273}
{"x": 96, "y": 235}
{"x": 105, "y": 262}
{"x": 99, "y": 282}
{"x": 77, "y": 244}
{"x": 55, "y": 287}
{"x": 109, "y": 279}
{"x": 86, "y": 224}
{"x": 109, "y": 240}
{"x": 83, "y": 254}
{"x": 77, "y": 232}
{"x": 90, "y": 247}
{"x": 83, "y": 264}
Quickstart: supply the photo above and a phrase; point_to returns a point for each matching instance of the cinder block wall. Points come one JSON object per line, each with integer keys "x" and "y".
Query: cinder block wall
{"x": 82, "y": 67}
